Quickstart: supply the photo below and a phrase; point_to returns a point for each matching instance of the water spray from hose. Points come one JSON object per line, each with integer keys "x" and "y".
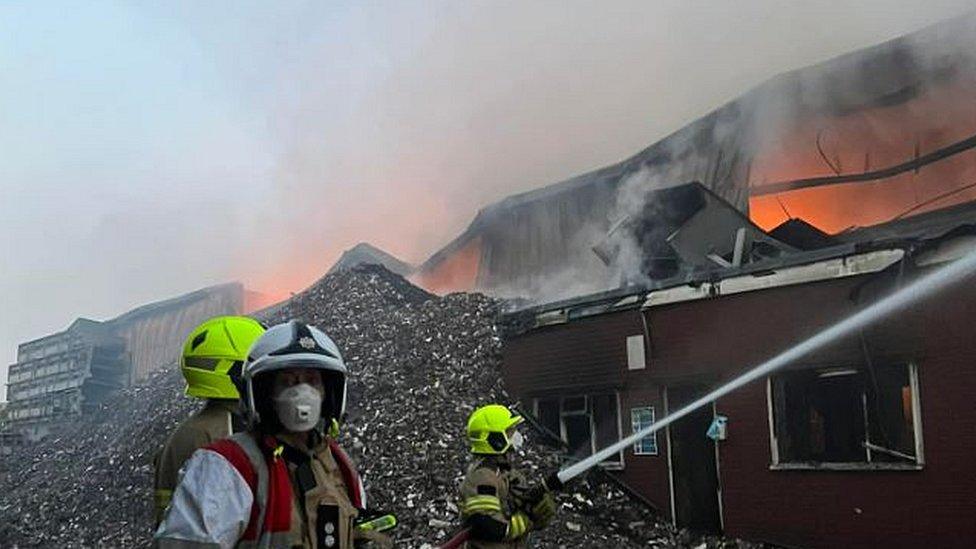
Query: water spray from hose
{"x": 936, "y": 281}
{"x": 925, "y": 286}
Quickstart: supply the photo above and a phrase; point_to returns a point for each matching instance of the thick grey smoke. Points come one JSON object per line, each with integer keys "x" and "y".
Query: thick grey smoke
{"x": 148, "y": 151}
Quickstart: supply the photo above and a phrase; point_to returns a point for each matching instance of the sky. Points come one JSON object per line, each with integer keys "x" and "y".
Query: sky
{"x": 150, "y": 149}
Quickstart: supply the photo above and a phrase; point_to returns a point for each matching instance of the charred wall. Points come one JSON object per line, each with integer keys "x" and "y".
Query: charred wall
{"x": 584, "y": 357}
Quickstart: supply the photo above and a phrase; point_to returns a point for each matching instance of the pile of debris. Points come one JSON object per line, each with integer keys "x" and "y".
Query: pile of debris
{"x": 419, "y": 365}
{"x": 91, "y": 483}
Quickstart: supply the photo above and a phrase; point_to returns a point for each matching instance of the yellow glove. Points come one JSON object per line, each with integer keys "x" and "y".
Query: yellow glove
{"x": 543, "y": 510}
{"x": 518, "y": 526}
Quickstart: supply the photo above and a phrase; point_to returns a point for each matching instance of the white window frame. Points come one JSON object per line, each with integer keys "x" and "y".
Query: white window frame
{"x": 777, "y": 465}
{"x": 611, "y": 465}
{"x": 653, "y": 436}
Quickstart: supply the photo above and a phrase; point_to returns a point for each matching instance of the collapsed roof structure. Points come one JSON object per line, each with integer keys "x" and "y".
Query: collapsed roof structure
{"x": 880, "y": 134}
{"x": 768, "y": 221}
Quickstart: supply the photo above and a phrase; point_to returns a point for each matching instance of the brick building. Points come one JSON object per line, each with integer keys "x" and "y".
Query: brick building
{"x": 861, "y": 444}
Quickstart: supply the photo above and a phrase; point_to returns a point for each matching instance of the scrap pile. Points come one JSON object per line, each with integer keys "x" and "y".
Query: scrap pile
{"x": 419, "y": 365}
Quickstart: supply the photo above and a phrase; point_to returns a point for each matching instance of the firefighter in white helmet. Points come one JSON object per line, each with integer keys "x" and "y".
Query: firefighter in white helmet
{"x": 285, "y": 482}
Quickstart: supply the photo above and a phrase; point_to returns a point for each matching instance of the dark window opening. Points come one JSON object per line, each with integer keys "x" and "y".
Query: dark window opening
{"x": 605, "y": 420}
{"x": 578, "y": 435}
{"x": 584, "y": 423}
{"x": 845, "y": 415}
{"x": 547, "y": 411}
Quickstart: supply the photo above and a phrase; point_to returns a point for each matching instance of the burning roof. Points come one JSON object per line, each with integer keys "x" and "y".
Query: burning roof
{"x": 873, "y": 136}
{"x": 921, "y": 240}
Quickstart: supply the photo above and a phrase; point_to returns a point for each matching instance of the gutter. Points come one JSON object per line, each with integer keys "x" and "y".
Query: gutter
{"x": 842, "y": 267}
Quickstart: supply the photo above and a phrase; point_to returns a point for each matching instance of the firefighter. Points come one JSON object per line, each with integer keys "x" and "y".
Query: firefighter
{"x": 284, "y": 482}
{"x": 212, "y": 358}
{"x": 497, "y": 504}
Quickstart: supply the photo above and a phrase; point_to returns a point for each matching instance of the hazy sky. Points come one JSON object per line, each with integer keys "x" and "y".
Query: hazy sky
{"x": 149, "y": 149}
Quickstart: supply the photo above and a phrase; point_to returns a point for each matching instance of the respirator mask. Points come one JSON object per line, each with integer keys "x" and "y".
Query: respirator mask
{"x": 299, "y": 407}
{"x": 517, "y": 440}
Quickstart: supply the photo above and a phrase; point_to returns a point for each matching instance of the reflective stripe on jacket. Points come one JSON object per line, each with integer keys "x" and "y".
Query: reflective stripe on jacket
{"x": 489, "y": 508}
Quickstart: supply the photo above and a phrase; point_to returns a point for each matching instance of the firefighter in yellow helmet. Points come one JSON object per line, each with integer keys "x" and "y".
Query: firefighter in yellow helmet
{"x": 212, "y": 358}
{"x": 497, "y": 503}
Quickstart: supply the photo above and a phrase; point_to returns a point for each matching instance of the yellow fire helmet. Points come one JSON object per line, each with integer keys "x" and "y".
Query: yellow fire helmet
{"x": 214, "y": 353}
{"x": 488, "y": 428}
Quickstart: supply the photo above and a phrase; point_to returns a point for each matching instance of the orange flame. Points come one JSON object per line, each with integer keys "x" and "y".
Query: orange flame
{"x": 867, "y": 140}
{"x": 457, "y": 273}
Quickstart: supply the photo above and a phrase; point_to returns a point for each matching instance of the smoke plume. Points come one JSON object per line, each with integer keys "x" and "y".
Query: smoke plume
{"x": 153, "y": 149}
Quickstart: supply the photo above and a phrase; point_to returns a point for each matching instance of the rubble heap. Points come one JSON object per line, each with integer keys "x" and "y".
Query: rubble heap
{"x": 419, "y": 365}
{"x": 90, "y": 484}
{"x": 424, "y": 366}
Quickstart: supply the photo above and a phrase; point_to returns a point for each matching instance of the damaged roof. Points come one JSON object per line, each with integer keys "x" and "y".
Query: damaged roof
{"x": 885, "y": 74}
{"x": 908, "y": 234}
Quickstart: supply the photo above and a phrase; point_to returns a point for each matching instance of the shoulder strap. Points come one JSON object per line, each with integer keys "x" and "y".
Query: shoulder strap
{"x": 350, "y": 476}
{"x": 267, "y": 475}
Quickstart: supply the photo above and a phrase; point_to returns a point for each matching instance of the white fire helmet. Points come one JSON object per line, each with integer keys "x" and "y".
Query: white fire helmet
{"x": 285, "y": 346}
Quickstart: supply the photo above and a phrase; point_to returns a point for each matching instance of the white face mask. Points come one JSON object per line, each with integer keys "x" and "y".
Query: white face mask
{"x": 517, "y": 439}
{"x": 299, "y": 407}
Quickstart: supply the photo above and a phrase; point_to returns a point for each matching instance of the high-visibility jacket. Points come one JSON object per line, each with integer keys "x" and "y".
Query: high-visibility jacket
{"x": 216, "y": 420}
{"x": 254, "y": 491}
{"x": 489, "y": 505}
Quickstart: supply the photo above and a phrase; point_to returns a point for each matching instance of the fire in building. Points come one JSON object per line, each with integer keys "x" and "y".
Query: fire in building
{"x": 69, "y": 373}
{"x": 736, "y": 247}
{"x": 884, "y": 132}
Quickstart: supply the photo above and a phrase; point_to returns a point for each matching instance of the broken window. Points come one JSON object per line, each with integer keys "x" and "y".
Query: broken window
{"x": 845, "y": 416}
{"x": 586, "y": 423}
{"x": 547, "y": 412}
{"x": 641, "y": 418}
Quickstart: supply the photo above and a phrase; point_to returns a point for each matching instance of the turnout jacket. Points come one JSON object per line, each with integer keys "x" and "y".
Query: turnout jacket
{"x": 253, "y": 490}
{"x": 216, "y": 420}
{"x": 490, "y": 505}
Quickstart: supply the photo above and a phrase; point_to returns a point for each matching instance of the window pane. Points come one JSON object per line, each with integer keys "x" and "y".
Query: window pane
{"x": 641, "y": 418}
{"x": 574, "y": 404}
